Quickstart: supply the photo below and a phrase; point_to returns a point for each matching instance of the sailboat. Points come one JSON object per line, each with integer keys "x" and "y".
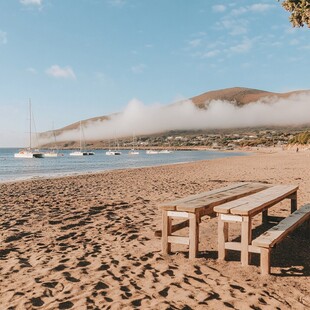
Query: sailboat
{"x": 113, "y": 152}
{"x": 133, "y": 151}
{"x": 54, "y": 152}
{"x": 80, "y": 152}
{"x": 29, "y": 152}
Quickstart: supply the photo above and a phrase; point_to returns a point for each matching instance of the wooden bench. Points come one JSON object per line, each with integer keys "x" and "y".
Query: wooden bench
{"x": 243, "y": 210}
{"x": 276, "y": 234}
{"x": 193, "y": 208}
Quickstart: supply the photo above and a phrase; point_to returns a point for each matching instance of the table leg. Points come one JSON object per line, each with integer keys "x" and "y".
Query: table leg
{"x": 166, "y": 224}
{"x": 246, "y": 239}
{"x": 193, "y": 235}
{"x": 222, "y": 238}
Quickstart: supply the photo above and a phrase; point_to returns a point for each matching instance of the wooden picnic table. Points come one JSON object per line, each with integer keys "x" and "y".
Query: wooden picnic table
{"x": 243, "y": 210}
{"x": 193, "y": 208}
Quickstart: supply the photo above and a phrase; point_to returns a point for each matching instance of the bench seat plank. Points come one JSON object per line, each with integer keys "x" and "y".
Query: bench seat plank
{"x": 278, "y": 232}
{"x": 251, "y": 204}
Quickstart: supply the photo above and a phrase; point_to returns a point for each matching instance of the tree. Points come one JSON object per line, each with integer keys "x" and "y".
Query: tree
{"x": 300, "y": 12}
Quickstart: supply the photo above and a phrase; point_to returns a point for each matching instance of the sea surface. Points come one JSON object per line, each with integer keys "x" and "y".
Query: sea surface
{"x": 14, "y": 169}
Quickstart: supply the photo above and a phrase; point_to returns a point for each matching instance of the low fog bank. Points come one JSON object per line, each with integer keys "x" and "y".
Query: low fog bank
{"x": 140, "y": 119}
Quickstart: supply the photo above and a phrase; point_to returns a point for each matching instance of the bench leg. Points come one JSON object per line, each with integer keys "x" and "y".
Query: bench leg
{"x": 166, "y": 222}
{"x": 265, "y": 216}
{"x": 222, "y": 238}
{"x": 193, "y": 235}
{"x": 246, "y": 239}
{"x": 265, "y": 261}
{"x": 293, "y": 202}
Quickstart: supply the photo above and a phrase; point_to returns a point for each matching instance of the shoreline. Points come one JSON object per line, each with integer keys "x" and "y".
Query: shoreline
{"x": 81, "y": 173}
{"x": 87, "y": 242}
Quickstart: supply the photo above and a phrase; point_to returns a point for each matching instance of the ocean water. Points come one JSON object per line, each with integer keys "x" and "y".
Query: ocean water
{"x": 13, "y": 169}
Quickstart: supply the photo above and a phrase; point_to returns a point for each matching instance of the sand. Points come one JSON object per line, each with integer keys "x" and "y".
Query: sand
{"x": 87, "y": 242}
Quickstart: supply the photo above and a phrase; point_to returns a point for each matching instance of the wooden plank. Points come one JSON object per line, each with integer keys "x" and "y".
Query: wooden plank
{"x": 222, "y": 239}
{"x": 265, "y": 262}
{"x": 174, "y": 228}
{"x": 246, "y": 238}
{"x": 231, "y": 218}
{"x": 178, "y": 240}
{"x": 166, "y": 246}
{"x": 172, "y": 204}
{"x": 278, "y": 232}
{"x": 293, "y": 198}
{"x": 255, "y": 203}
{"x": 206, "y": 202}
{"x": 228, "y": 190}
{"x": 178, "y": 214}
{"x": 193, "y": 235}
{"x": 234, "y": 246}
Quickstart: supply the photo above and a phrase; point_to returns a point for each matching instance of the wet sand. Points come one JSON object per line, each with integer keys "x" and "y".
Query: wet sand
{"x": 87, "y": 242}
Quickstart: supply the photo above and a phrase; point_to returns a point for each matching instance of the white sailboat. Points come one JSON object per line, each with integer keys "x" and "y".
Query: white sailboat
{"x": 29, "y": 152}
{"x": 151, "y": 152}
{"x": 133, "y": 151}
{"x": 113, "y": 152}
{"x": 80, "y": 152}
{"x": 54, "y": 152}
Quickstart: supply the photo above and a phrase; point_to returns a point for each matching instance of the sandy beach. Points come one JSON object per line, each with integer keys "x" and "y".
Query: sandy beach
{"x": 88, "y": 242}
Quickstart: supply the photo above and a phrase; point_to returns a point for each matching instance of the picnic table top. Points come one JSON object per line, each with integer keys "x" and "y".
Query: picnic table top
{"x": 210, "y": 199}
{"x": 257, "y": 202}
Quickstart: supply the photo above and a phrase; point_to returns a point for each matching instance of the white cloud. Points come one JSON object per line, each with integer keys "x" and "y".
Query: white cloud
{"x": 219, "y": 8}
{"x": 235, "y": 27}
{"x": 138, "y": 68}
{"x": 195, "y": 42}
{"x": 242, "y": 47}
{"x": 3, "y": 37}
{"x": 31, "y": 2}
{"x": 261, "y": 7}
{"x": 58, "y": 72}
{"x": 239, "y": 11}
{"x": 256, "y": 8}
{"x": 211, "y": 54}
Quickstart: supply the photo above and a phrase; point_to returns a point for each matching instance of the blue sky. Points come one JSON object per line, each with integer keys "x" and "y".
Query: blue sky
{"x": 78, "y": 59}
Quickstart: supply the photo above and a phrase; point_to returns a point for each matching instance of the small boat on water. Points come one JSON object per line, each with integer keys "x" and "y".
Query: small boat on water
{"x": 29, "y": 152}
{"x": 151, "y": 152}
{"x": 52, "y": 154}
{"x": 115, "y": 151}
{"x": 111, "y": 153}
{"x": 54, "y": 151}
{"x": 133, "y": 152}
{"x": 165, "y": 152}
{"x": 80, "y": 152}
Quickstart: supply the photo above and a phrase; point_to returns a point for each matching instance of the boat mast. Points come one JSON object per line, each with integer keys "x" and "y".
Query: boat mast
{"x": 30, "y": 124}
{"x": 80, "y": 135}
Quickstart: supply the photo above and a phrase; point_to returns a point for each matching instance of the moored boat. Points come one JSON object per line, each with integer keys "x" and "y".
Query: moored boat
{"x": 151, "y": 152}
{"x": 29, "y": 152}
{"x": 80, "y": 152}
{"x": 111, "y": 153}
